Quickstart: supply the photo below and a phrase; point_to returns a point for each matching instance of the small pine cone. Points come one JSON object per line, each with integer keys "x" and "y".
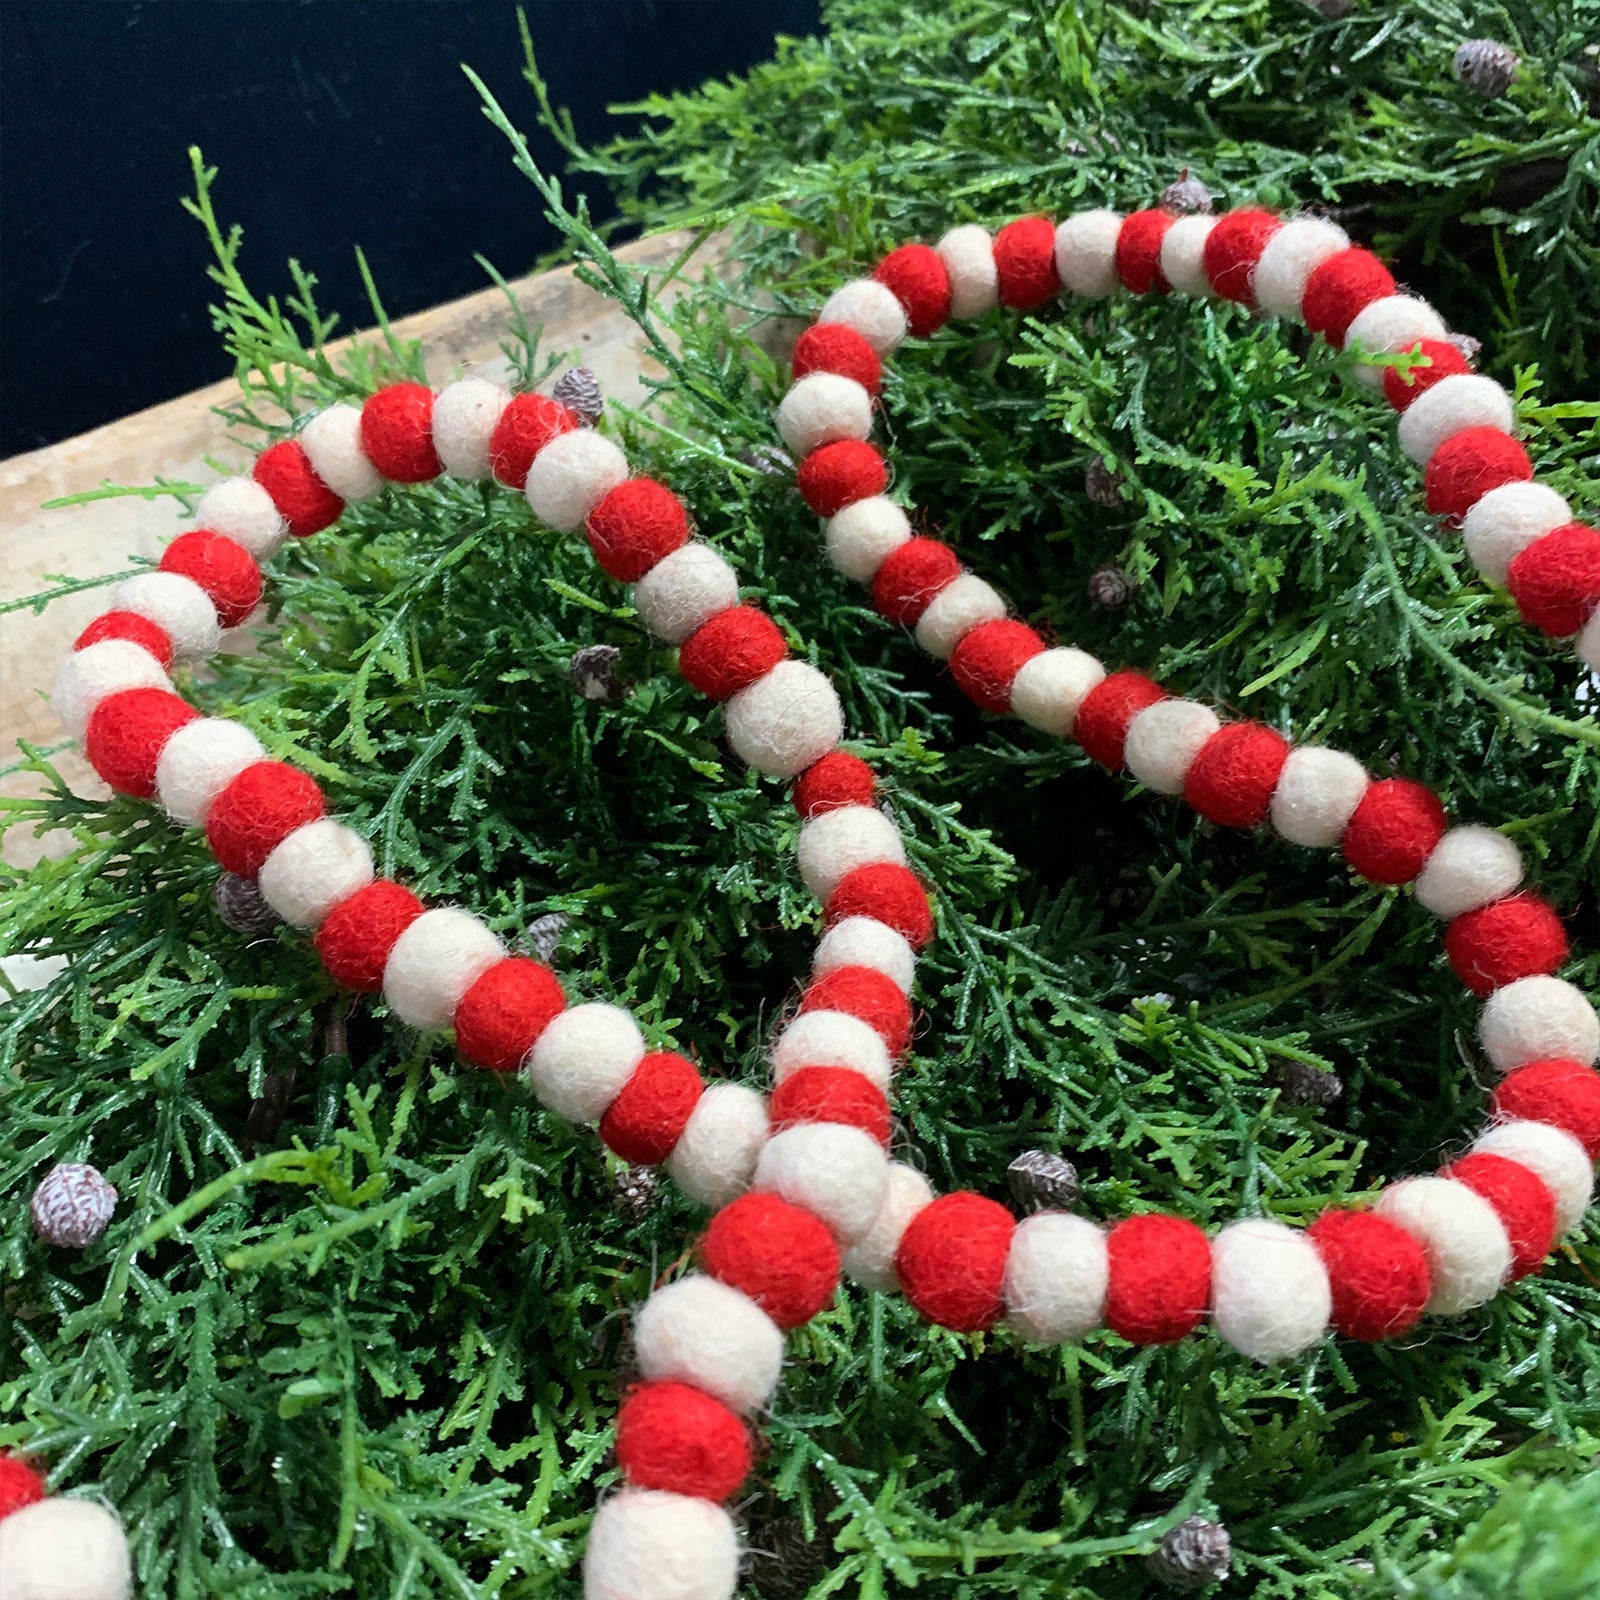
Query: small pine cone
{"x": 544, "y": 934}
{"x": 1486, "y": 67}
{"x": 1186, "y": 197}
{"x": 1305, "y": 1085}
{"x": 1040, "y": 1180}
{"x": 1109, "y": 587}
{"x": 241, "y": 905}
{"x": 1333, "y": 10}
{"x": 72, "y": 1206}
{"x": 1466, "y": 344}
{"x": 1193, "y": 1555}
{"x": 579, "y": 391}
{"x": 1102, "y": 485}
{"x": 769, "y": 459}
{"x": 593, "y": 673}
{"x": 781, "y": 1563}
{"x": 634, "y": 1192}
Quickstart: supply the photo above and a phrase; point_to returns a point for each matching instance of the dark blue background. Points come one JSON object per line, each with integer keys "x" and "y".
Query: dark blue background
{"x": 333, "y": 123}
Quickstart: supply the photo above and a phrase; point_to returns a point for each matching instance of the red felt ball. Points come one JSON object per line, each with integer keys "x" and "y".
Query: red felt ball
{"x": 129, "y": 625}
{"x": 911, "y": 576}
{"x": 508, "y": 1006}
{"x": 779, "y": 1254}
{"x": 731, "y": 651}
{"x": 890, "y": 893}
{"x": 226, "y": 571}
{"x": 839, "y": 474}
{"x": 1102, "y": 722}
{"x": 1393, "y": 830}
{"x": 1025, "y": 263}
{"x": 1340, "y": 289}
{"x": 1526, "y": 1209}
{"x": 647, "y": 1118}
{"x": 1565, "y": 1094}
{"x": 1139, "y": 251}
{"x": 1402, "y": 387}
{"x": 634, "y": 526}
{"x": 20, "y": 1485}
{"x": 1510, "y": 939}
{"x": 1232, "y": 250}
{"x": 127, "y": 733}
{"x": 1158, "y": 1285}
{"x": 1556, "y": 579}
{"x": 916, "y": 275}
{"x": 356, "y": 937}
{"x": 257, "y": 811}
{"x": 528, "y": 423}
{"x": 1467, "y": 466}
{"x": 675, "y": 1437}
{"x": 866, "y": 993}
{"x": 306, "y": 504}
{"x": 838, "y": 779}
{"x": 1231, "y": 780}
{"x": 831, "y": 1094}
{"x": 397, "y": 433}
{"x": 1376, "y": 1270}
{"x": 837, "y": 347}
{"x": 952, "y": 1261}
{"x": 987, "y": 659}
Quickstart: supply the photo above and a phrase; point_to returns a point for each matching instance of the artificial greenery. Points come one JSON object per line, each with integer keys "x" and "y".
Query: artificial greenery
{"x": 360, "y": 1324}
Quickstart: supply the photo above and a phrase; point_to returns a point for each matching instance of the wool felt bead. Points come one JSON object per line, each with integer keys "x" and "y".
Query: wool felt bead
{"x": 1025, "y": 258}
{"x": 831, "y": 1094}
{"x": 822, "y": 407}
{"x": 358, "y": 935}
{"x": 304, "y": 502}
{"x": 1163, "y": 740}
{"x": 730, "y": 651}
{"x": 870, "y": 1261}
{"x": 833, "y": 845}
{"x": 1470, "y": 867}
{"x": 174, "y": 604}
{"x": 634, "y": 526}
{"x": 1554, "y": 1156}
{"x": 526, "y": 423}
{"x": 435, "y": 960}
{"x": 571, "y": 476}
{"x": 1393, "y": 830}
{"x": 1233, "y": 248}
{"x": 647, "y": 1118}
{"x": 1232, "y": 778}
{"x": 1555, "y": 580}
{"x": 1508, "y": 939}
{"x": 986, "y": 661}
{"x": 779, "y": 1254}
{"x": 583, "y": 1058}
{"x": 64, "y": 1550}
{"x": 647, "y": 1544}
{"x": 243, "y": 510}
{"x": 1561, "y": 1093}
{"x": 838, "y": 779}
{"x": 1469, "y": 1255}
{"x": 917, "y": 277}
{"x": 198, "y": 762}
{"x": 835, "y": 1171}
{"x": 1393, "y": 322}
{"x": 1289, "y": 258}
{"x": 257, "y": 811}
{"x": 1085, "y": 257}
{"x": 108, "y": 667}
{"x": 861, "y": 538}
{"x": 831, "y": 1039}
{"x": 1269, "y": 1289}
{"x": 465, "y": 416}
{"x": 1587, "y": 644}
{"x": 839, "y": 474}
{"x": 1158, "y": 1284}
{"x": 1101, "y": 725}
{"x": 968, "y": 256}
{"x": 505, "y": 1010}
{"x": 833, "y": 347}
{"x": 1451, "y": 406}
{"x": 887, "y": 892}
{"x": 127, "y": 734}
{"x": 1468, "y": 465}
{"x": 1138, "y": 252}
{"x": 397, "y": 433}
{"x": 954, "y": 612}
{"x": 1439, "y": 359}
{"x": 868, "y": 994}
{"x": 786, "y": 720}
{"x": 952, "y": 1261}
{"x": 712, "y": 1335}
{"x": 1183, "y": 254}
{"x": 1505, "y": 521}
{"x": 1317, "y": 794}
{"x": 312, "y": 870}
{"x": 872, "y": 309}
{"x": 1055, "y": 1279}
{"x": 715, "y": 1156}
{"x": 1050, "y": 687}
{"x": 675, "y": 1437}
{"x": 1341, "y": 287}
{"x": 1538, "y": 1018}
{"x": 226, "y": 571}
{"x": 1523, "y": 1204}
{"x": 866, "y": 942}
{"x": 332, "y": 443}
{"x": 20, "y": 1485}
{"x": 137, "y": 628}
{"x": 909, "y": 578}
{"x": 684, "y": 591}
{"x": 1377, "y": 1273}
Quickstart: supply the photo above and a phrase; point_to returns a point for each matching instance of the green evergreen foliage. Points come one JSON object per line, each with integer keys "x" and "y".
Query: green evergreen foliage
{"x": 375, "y": 1349}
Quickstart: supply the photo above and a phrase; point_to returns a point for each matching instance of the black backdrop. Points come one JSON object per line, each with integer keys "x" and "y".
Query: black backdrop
{"x": 333, "y": 123}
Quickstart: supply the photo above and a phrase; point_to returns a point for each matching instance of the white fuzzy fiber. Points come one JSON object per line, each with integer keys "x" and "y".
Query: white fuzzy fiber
{"x": 1317, "y": 794}
{"x": 1056, "y": 1273}
{"x": 838, "y": 1172}
{"x": 1471, "y": 866}
{"x": 968, "y": 256}
{"x": 87, "y": 676}
{"x": 1051, "y": 686}
{"x": 571, "y": 476}
{"x": 198, "y": 762}
{"x": 1269, "y": 1289}
{"x": 178, "y": 606}
{"x": 822, "y": 407}
{"x": 785, "y": 720}
{"x": 1164, "y": 739}
{"x": 1587, "y": 644}
{"x": 835, "y": 843}
{"x": 647, "y": 1544}
{"x": 684, "y": 590}
{"x": 954, "y": 612}
{"x": 864, "y": 534}
{"x": 1183, "y": 253}
{"x": 832, "y": 1039}
{"x": 870, "y": 1260}
{"x": 1454, "y": 404}
{"x": 1505, "y": 521}
{"x": 1292, "y": 254}
{"x": 465, "y": 415}
{"x": 434, "y": 962}
{"x": 872, "y": 310}
{"x": 64, "y": 1550}
{"x": 243, "y": 510}
{"x": 1560, "y": 1163}
{"x": 332, "y": 443}
{"x": 581, "y": 1061}
{"x": 715, "y": 1156}
{"x": 1469, "y": 1255}
{"x": 1086, "y": 253}
{"x": 1396, "y": 322}
{"x": 707, "y": 1333}
{"x": 866, "y": 942}
{"x": 316, "y": 867}
{"x": 1535, "y": 1019}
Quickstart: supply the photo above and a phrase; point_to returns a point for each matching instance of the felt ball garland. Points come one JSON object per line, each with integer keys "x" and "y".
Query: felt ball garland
{"x": 57, "y": 1549}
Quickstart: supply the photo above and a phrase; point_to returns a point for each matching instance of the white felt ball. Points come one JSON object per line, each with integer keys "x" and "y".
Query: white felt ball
{"x": 581, "y": 1061}
{"x": 1051, "y": 686}
{"x": 968, "y": 256}
{"x": 871, "y": 309}
{"x": 785, "y": 720}
{"x": 1056, "y": 1273}
{"x": 87, "y": 676}
{"x": 820, "y": 408}
{"x": 434, "y": 962}
{"x": 571, "y": 476}
{"x": 1587, "y": 644}
{"x": 837, "y": 842}
{"x": 1183, "y": 254}
{"x": 1086, "y": 253}
{"x": 1269, "y": 1288}
{"x": 862, "y": 536}
{"x": 1505, "y": 521}
{"x": 64, "y": 1550}
{"x": 1560, "y": 1163}
{"x": 684, "y": 590}
{"x": 836, "y": 1171}
{"x": 954, "y": 612}
{"x": 243, "y": 510}
{"x": 1163, "y": 741}
{"x": 870, "y": 1260}
{"x": 832, "y": 1039}
{"x": 465, "y": 415}
{"x": 648, "y": 1544}
{"x": 1537, "y": 1019}
{"x": 1454, "y": 404}
{"x": 178, "y": 606}
{"x": 707, "y": 1333}
{"x": 1470, "y": 867}
{"x": 332, "y": 443}
{"x": 715, "y": 1156}
{"x": 1317, "y": 794}
{"x": 1396, "y": 322}
{"x": 315, "y": 868}
{"x": 1469, "y": 1255}
{"x": 866, "y": 942}
{"x": 1292, "y": 254}
{"x": 198, "y": 762}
